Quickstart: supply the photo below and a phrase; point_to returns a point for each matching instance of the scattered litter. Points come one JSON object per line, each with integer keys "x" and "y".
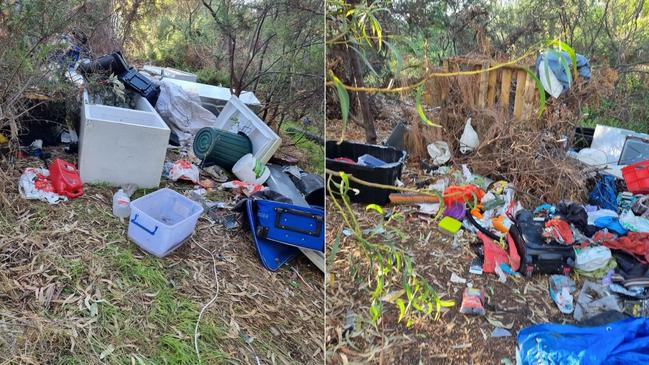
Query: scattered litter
{"x": 217, "y": 173}
{"x": 35, "y": 184}
{"x": 184, "y": 170}
{"x": 469, "y": 140}
{"x": 594, "y": 299}
{"x": 500, "y": 332}
{"x": 350, "y": 323}
{"x": 440, "y": 152}
{"x": 455, "y": 278}
{"x": 428, "y": 208}
{"x": 473, "y": 301}
{"x": 249, "y": 170}
{"x": 247, "y": 188}
{"x": 501, "y": 274}
{"x": 225, "y": 217}
{"x": 449, "y": 225}
{"x": 476, "y": 266}
{"x": 65, "y": 179}
{"x": 121, "y": 204}
{"x": 561, "y": 289}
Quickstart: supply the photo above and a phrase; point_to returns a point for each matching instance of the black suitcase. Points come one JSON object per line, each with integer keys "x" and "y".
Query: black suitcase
{"x": 537, "y": 256}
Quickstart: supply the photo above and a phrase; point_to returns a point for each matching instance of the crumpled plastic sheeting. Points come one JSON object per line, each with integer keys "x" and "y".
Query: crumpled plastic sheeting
{"x": 247, "y": 188}
{"x": 35, "y": 185}
{"x": 594, "y": 299}
{"x": 621, "y": 342}
{"x": 183, "y": 112}
{"x": 633, "y": 223}
{"x": 184, "y": 170}
{"x": 440, "y": 152}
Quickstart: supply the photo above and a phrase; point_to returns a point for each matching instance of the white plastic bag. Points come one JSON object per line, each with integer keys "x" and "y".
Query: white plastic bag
{"x": 440, "y": 152}
{"x": 634, "y": 223}
{"x": 183, "y": 112}
{"x": 592, "y": 258}
{"x": 469, "y": 140}
{"x": 34, "y": 183}
{"x": 184, "y": 170}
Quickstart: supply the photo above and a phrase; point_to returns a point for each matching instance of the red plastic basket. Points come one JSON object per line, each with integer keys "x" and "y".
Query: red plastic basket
{"x": 636, "y": 177}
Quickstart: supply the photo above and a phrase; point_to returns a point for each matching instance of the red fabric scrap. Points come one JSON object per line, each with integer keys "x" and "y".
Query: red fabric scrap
{"x": 559, "y": 230}
{"x": 635, "y": 243}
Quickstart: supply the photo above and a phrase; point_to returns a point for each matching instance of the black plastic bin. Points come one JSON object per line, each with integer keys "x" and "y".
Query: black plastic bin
{"x": 386, "y": 175}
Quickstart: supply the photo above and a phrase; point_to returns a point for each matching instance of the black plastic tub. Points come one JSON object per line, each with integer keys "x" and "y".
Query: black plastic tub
{"x": 386, "y": 175}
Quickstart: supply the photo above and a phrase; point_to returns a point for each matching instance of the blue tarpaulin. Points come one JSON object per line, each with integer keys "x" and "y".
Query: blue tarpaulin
{"x": 604, "y": 195}
{"x": 554, "y": 64}
{"x": 621, "y": 342}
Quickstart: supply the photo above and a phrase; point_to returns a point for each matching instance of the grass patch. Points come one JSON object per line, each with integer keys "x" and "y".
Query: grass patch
{"x": 143, "y": 317}
{"x": 314, "y": 151}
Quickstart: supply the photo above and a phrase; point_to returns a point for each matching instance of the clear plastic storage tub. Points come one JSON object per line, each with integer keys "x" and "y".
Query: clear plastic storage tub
{"x": 161, "y": 221}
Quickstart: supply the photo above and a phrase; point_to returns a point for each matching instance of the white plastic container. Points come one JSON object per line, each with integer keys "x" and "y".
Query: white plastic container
{"x": 161, "y": 221}
{"x": 173, "y": 73}
{"x": 122, "y": 146}
{"x": 121, "y": 204}
{"x": 249, "y": 170}
{"x": 237, "y": 117}
{"x": 217, "y": 95}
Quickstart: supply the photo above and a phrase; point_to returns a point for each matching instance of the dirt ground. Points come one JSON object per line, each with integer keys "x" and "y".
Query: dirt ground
{"x": 455, "y": 338}
{"x": 75, "y": 290}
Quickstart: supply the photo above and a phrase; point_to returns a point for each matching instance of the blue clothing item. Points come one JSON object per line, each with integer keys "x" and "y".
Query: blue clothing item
{"x": 551, "y": 209}
{"x": 612, "y": 224}
{"x": 621, "y": 342}
{"x": 604, "y": 195}
{"x": 554, "y": 64}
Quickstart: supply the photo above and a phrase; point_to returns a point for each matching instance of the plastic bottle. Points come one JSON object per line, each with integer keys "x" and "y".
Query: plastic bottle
{"x": 121, "y": 204}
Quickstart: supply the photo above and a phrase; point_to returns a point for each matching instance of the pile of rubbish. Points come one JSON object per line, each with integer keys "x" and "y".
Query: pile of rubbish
{"x": 602, "y": 242}
{"x": 140, "y": 126}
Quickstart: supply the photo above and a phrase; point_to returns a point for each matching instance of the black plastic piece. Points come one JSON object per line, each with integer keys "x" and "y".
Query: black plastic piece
{"x": 385, "y": 175}
{"x": 480, "y": 228}
{"x": 312, "y": 186}
{"x": 396, "y": 138}
{"x": 113, "y": 63}
{"x": 141, "y": 84}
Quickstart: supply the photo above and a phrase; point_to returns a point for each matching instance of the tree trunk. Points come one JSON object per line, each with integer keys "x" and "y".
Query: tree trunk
{"x": 363, "y": 98}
